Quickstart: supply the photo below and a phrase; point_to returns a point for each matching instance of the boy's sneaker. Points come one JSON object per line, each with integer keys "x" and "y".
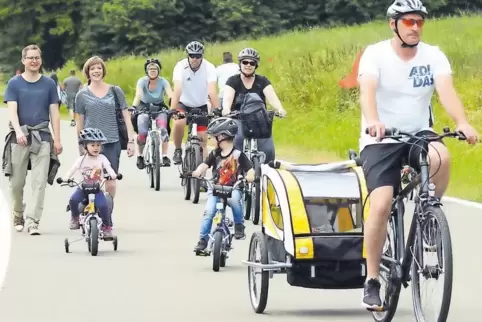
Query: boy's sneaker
{"x": 239, "y": 231}
{"x": 18, "y": 223}
{"x": 74, "y": 223}
{"x": 371, "y": 294}
{"x": 201, "y": 245}
{"x": 108, "y": 234}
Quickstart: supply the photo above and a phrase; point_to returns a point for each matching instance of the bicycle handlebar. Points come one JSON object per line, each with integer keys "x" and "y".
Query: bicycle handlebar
{"x": 218, "y": 113}
{"x": 240, "y": 180}
{"x": 72, "y": 181}
{"x": 394, "y": 133}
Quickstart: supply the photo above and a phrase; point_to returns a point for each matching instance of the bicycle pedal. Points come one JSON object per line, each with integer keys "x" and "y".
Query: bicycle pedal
{"x": 377, "y": 309}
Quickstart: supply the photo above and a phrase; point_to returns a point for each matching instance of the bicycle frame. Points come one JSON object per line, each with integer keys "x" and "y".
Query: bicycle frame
{"x": 403, "y": 256}
{"x": 222, "y": 224}
{"x": 153, "y": 132}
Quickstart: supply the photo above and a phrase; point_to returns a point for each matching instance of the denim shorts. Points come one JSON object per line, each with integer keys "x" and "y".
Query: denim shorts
{"x": 112, "y": 152}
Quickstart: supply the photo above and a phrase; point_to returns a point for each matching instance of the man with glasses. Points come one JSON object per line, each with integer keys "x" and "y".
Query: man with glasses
{"x": 397, "y": 79}
{"x": 194, "y": 81}
{"x": 32, "y": 102}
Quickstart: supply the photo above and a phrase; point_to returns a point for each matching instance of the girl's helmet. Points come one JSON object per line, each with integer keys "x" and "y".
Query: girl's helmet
{"x": 90, "y": 134}
{"x": 223, "y": 125}
{"x": 152, "y": 61}
{"x": 195, "y": 48}
{"x": 401, "y": 7}
{"x": 249, "y": 53}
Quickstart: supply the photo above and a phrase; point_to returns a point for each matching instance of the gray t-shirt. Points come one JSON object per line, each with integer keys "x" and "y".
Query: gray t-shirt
{"x": 155, "y": 95}
{"x": 100, "y": 113}
{"x": 33, "y": 100}
{"x": 72, "y": 85}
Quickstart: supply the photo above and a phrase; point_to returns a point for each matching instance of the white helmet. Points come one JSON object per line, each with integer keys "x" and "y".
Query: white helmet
{"x": 195, "y": 47}
{"x": 400, "y": 7}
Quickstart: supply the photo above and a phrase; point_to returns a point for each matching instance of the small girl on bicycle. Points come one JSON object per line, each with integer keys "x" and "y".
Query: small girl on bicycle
{"x": 227, "y": 163}
{"x": 91, "y": 166}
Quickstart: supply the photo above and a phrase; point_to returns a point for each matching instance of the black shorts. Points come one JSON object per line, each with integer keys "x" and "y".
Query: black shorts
{"x": 382, "y": 163}
{"x": 202, "y": 122}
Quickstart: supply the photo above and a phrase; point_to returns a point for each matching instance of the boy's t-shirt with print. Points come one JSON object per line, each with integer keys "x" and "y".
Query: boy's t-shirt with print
{"x": 226, "y": 169}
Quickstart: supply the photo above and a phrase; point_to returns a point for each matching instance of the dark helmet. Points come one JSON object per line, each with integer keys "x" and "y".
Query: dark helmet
{"x": 195, "y": 48}
{"x": 249, "y": 53}
{"x": 90, "y": 134}
{"x": 223, "y": 125}
{"x": 152, "y": 61}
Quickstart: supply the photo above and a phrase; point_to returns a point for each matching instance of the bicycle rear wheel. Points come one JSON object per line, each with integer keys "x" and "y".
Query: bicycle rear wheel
{"x": 434, "y": 235}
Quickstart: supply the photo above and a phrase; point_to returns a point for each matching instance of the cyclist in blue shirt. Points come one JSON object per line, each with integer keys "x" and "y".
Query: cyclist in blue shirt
{"x": 151, "y": 89}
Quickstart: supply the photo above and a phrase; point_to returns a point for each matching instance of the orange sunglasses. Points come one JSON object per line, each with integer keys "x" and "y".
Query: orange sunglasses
{"x": 413, "y": 22}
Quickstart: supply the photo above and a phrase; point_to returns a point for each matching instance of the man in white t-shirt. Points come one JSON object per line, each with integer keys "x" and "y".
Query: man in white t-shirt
{"x": 194, "y": 81}
{"x": 224, "y": 71}
{"x": 397, "y": 79}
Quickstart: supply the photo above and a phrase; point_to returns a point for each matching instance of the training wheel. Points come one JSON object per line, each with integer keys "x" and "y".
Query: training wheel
{"x": 115, "y": 243}
{"x": 66, "y": 244}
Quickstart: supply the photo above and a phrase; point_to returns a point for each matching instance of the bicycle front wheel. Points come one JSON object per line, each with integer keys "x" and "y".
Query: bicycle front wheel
{"x": 156, "y": 156}
{"x": 432, "y": 263}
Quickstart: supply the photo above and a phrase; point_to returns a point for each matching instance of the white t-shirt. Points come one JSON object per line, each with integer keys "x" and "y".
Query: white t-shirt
{"x": 194, "y": 84}
{"x": 223, "y": 72}
{"x": 405, "y": 89}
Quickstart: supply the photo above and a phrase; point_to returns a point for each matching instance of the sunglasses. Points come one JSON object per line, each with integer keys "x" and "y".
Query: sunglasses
{"x": 245, "y": 62}
{"x": 413, "y": 22}
{"x": 197, "y": 56}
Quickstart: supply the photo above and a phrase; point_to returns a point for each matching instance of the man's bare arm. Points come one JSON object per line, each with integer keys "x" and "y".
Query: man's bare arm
{"x": 449, "y": 98}
{"x": 13, "y": 115}
{"x": 55, "y": 121}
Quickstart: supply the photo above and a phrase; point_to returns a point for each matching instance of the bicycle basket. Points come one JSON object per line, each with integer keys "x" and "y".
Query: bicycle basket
{"x": 256, "y": 120}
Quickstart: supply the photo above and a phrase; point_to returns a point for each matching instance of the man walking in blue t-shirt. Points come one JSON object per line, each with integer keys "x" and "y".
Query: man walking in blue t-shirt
{"x": 32, "y": 102}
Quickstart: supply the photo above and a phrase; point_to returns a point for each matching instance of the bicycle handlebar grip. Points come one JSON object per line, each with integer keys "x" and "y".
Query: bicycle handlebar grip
{"x": 389, "y": 131}
{"x": 274, "y": 164}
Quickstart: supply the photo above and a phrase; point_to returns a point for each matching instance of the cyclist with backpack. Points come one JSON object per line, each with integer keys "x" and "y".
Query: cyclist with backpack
{"x": 150, "y": 89}
{"x": 255, "y": 89}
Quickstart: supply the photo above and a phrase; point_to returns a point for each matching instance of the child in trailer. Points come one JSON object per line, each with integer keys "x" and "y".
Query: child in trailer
{"x": 227, "y": 164}
{"x": 91, "y": 166}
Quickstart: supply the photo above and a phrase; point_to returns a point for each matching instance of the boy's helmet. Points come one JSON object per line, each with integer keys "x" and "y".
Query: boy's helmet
{"x": 223, "y": 125}
{"x": 90, "y": 134}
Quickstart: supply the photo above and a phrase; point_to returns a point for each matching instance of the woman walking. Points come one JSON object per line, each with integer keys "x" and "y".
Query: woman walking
{"x": 96, "y": 105}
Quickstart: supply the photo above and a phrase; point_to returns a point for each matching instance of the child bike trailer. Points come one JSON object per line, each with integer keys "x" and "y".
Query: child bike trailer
{"x": 311, "y": 228}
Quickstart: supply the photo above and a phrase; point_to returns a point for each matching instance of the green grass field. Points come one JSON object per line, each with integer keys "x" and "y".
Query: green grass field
{"x": 324, "y": 120}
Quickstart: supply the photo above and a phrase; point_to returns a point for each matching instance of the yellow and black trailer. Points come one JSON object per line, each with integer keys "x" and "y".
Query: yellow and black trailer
{"x": 312, "y": 227}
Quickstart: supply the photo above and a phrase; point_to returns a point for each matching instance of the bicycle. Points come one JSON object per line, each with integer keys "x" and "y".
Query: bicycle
{"x": 193, "y": 155}
{"x": 252, "y": 191}
{"x": 403, "y": 262}
{"x": 220, "y": 241}
{"x": 155, "y": 138}
{"x": 90, "y": 221}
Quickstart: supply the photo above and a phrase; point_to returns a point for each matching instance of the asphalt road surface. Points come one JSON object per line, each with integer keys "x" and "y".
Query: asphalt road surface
{"x": 155, "y": 276}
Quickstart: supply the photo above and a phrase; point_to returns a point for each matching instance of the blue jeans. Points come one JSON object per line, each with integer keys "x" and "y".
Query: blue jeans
{"x": 100, "y": 203}
{"x": 236, "y": 204}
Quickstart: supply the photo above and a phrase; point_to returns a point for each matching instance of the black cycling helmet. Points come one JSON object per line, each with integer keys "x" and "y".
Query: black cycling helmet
{"x": 152, "y": 61}
{"x": 249, "y": 53}
{"x": 89, "y": 135}
{"x": 223, "y": 125}
{"x": 195, "y": 48}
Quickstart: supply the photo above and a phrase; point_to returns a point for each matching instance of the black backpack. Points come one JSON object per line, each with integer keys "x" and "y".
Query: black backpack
{"x": 256, "y": 120}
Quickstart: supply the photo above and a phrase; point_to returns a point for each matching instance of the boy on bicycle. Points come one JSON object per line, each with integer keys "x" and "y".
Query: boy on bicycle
{"x": 227, "y": 163}
{"x": 91, "y": 165}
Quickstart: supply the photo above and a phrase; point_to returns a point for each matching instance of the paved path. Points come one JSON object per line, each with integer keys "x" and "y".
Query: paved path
{"x": 154, "y": 275}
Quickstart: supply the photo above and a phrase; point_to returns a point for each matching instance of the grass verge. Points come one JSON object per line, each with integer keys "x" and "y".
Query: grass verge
{"x": 324, "y": 120}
